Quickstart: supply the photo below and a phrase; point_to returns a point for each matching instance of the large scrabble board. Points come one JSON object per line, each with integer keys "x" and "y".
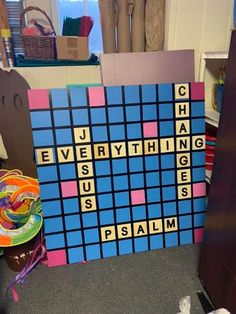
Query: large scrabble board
{"x": 121, "y": 169}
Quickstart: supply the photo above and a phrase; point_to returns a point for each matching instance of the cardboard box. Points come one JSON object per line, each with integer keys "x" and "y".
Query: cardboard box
{"x": 72, "y": 48}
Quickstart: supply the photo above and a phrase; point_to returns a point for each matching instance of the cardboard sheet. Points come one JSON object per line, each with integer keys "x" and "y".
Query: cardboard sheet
{"x": 15, "y": 125}
{"x": 147, "y": 67}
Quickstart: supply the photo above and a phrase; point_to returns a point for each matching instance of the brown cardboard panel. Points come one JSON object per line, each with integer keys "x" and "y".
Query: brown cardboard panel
{"x": 72, "y": 48}
{"x": 147, "y": 67}
{"x": 15, "y": 125}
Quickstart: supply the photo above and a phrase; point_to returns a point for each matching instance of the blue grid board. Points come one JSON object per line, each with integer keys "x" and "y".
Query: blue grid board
{"x": 121, "y": 169}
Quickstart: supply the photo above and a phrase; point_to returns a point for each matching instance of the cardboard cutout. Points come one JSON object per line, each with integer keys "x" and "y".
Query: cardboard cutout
{"x": 15, "y": 125}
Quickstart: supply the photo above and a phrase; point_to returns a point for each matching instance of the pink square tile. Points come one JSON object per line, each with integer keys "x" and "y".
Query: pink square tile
{"x": 137, "y": 197}
{"x": 150, "y": 129}
{"x": 96, "y": 96}
{"x": 198, "y": 235}
{"x": 197, "y": 91}
{"x": 199, "y": 189}
{"x": 69, "y": 188}
{"x": 38, "y": 99}
{"x": 56, "y": 258}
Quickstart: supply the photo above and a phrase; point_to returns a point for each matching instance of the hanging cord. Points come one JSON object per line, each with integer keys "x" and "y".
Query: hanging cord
{"x": 85, "y": 8}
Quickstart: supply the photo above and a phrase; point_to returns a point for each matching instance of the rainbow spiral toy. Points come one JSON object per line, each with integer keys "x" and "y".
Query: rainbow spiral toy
{"x": 20, "y": 208}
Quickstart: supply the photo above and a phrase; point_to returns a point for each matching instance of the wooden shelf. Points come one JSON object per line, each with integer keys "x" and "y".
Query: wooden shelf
{"x": 212, "y": 117}
{"x": 210, "y": 55}
{"x": 208, "y": 176}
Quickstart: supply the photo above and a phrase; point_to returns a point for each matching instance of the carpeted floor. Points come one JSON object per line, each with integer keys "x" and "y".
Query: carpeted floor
{"x": 150, "y": 282}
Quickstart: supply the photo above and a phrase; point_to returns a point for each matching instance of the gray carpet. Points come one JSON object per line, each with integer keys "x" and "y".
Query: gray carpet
{"x": 150, "y": 282}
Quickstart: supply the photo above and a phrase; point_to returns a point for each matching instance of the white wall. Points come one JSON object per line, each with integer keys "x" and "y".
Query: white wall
{"x": 52, "y": 77}
{"x": 204, "y": 25}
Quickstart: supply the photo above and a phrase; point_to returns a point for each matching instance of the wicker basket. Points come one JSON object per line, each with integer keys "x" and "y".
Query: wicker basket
{"x": 38, "y": 47}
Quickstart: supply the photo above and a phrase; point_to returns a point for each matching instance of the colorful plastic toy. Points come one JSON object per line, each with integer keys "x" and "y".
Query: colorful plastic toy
{"x": 20, "y": 208}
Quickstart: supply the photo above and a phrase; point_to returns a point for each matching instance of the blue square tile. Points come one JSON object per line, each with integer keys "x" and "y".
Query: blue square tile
{"x": 154, "y": 211}
{"x": 106, "y": 217}
{"x": 156, "y": 242}
{"x": 139, "y": 212}
{"x": 109, "y": 249}
{"x": 119, "y": 166}
{"x": 99, "y": 133}
{"x": 98, "y": 115}
{"x": 198, "y": 126}
{"x": 131, "y": 94}
{"x": 198, "y": 174}
{"x": 167, "y": 161}
{"x": 121, "y": 198}
{"x": 199, "y": 204}
{"x": 135, "y": 164}
{"x": 117, "y": 132}
{"x": 185, "y": 207}
{"x": 151, "y": 163}
{"x": 137, "y": 181}
{"x": 114, "y": 95}
{"x": 105, "y": 201}
{"x": 168, "y": 193}
{"x": 55, "y": 241}
{"x": 61, "y": 118}
{"x": 93, "y": 252}
{"x": 133, "y": 113}
{"x": 90, "y": 220}
{"x": 199, "y": 220}
{"x": 51, "y": 208}
{"x": 186, "y": 237}
{"x": 72, "y": 222}
{"x": 165, "y": 92}
{"x": 102, "y": 167}
{"x": 63, "y": 136}
{"x": 74, "y": 238}
{"x": 171, "y": 239}
{"x": 165, "y": 111}
{"x": 185, "y": 222}
{"x": 104, "y": 184}
{"x": 67, "y": 171}
{"x": 91, "y": 236}
{"x": 47, "y": 173}
{"x": 125, "y": 247}
{"x": 41, "y": 119}
{"x": 140, "y": 244}
{"x": 120, "y": 183}
{"x": 198, "y": 109}
{"x": 80, "y": 117}
{"x": 134, "y": 131}
{"x": 169, "y": 209}
{"x": 149, "y": 112}
{"x": 152, "y": 179}
{"x": 153, "y": 195}
{"x": 166, "y": 128}
{"x": 115, "y": 114}
{"x": 53, "y": 225}
{"x": 43, "y": 138}
{"x": 148, "y": 93}
{"x": 198, "y": 158}
{"x": 168, "y": 177}
{"x": 50, "y": 190}
{"x": 75, "y": 255}
{"x": 59, "y": 98}
{"x": 71, "y": 205}
{"x": 78, "y": 97}
{"x": 123, "y": 215}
